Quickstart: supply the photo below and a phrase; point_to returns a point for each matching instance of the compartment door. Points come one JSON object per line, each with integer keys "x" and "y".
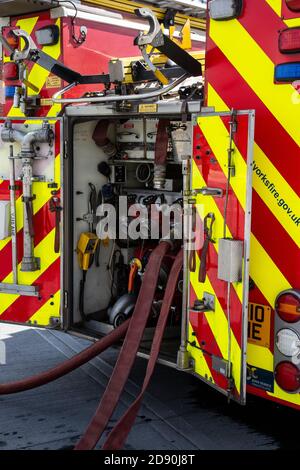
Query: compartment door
{"x": 30, "y": 292}
{"x": 220, "y": 194}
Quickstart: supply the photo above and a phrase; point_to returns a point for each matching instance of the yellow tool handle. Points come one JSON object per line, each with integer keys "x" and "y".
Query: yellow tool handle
{"x": 30, "y": 85}
{"x": 161, "y": 77}
{"x": 86, "y": 261}
{"x": 83, "y": 260}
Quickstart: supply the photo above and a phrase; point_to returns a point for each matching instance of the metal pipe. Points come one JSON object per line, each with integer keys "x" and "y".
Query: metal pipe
{"x": 8, "y": 134}
{"x": 43, "y": 135}
{"x": 229, "y": 338}
{"x": 183, "y": 356}
{"x": 13, "y": 219}
{"x": 29, "y": 262}
{"x": 113, "y": 98}
{"x": 230, "y": 168}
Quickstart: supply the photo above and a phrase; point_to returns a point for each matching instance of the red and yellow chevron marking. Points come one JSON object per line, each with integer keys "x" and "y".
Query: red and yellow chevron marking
{"x": 41, "y": 310}
{"x": 37, "y": 75}
{"x": 210, "y": 329}
{"x": 241, "y": 56}
{"x": 25, "y": 309}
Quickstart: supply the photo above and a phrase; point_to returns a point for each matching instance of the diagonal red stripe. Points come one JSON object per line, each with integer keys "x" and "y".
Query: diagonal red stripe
{"x": 266, "y": 222}
{"x": 271, "y": 137}
{"x": 280, "y": 246}
{"x": 263, "y": 24}
{"x": 220, "y": 288}
{"x": 206, "y": 340}
{"x": 43, "y": 20}
{"x": 214, "y": 176}
{"x": 44, "y": 222}
{"x": 25, "y": 307}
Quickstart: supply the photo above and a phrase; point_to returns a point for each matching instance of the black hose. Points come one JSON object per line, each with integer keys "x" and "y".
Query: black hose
{"x": 81, "y": 296}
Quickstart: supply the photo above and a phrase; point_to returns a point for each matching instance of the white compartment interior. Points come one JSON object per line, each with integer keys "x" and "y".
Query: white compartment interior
{"x": 86, "y": 158}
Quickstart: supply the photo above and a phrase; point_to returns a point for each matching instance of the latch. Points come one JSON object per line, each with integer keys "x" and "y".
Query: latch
{"x": 89, "y": 218}
{"x": 205, "y": 191}
{"x": 54, "y": 206}
{"x": 207, "y": 304}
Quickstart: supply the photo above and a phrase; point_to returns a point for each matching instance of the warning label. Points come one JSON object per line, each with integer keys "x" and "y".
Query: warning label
{"x": 53, "y": 82}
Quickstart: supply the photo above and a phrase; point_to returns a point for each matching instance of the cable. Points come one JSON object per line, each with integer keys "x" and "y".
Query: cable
{"x": 230, "y": 169}
{"x": 95, "y": 200}
{"x": 81, "y": 39}
{"x": 114, "y": 264}
{"x": 81, "y": 296}
{"x": 111, "y": 256}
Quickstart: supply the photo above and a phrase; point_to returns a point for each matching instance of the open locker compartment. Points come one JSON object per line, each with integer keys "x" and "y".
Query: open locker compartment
{"x": 135, "y": 136}
{"x": 30, "y": 199}
{"x": 81, "y": 171}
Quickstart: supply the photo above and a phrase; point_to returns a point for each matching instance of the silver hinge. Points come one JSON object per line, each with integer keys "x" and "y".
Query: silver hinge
{"x": 65, "y": 149}
{"x": 66, "y": 299}
{"x": 186, "y": 163}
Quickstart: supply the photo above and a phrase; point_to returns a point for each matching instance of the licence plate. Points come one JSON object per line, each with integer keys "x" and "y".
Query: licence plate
{"x": 259, "y": 324}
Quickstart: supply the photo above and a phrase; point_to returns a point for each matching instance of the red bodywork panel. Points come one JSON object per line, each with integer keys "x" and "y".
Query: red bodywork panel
{"x": 103, "y": 42}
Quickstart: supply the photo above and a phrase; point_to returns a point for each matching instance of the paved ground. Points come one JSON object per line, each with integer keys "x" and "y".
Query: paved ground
{"x": 179, "y": 412}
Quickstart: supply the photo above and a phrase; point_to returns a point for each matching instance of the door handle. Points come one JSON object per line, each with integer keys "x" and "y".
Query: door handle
{"x": 205, "y": 191}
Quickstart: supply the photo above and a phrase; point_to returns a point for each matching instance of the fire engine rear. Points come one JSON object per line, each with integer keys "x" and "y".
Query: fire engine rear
{"x": 146, "y": 199}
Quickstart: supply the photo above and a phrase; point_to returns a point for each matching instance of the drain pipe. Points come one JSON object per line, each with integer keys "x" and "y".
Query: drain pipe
{"x": 27, "y": 155}
{"x": 12, "y": 194}
{"x": 183, "y": 358}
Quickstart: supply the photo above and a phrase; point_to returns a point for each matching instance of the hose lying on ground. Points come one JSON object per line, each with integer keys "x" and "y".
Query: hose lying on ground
{"x": 134, "y": 329}
{"x": 67, "y": 366}
{"x": 127, "y": 355}
{"x": 117, "y": 437}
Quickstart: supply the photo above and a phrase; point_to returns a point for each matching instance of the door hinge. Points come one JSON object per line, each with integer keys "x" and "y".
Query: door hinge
{"x": 66, "y": 299}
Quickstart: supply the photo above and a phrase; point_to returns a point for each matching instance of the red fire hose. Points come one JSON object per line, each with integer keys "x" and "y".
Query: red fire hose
{"x": 128, "y": 352}
{"x": 66, "y": 366}
{"x": 117, "y": 437}
{"x": 161, "y": 144}
{"x": 134, "y": 327}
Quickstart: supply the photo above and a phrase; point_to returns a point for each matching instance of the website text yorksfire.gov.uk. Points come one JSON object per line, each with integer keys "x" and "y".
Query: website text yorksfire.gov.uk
{"x": 281, "y": 202}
